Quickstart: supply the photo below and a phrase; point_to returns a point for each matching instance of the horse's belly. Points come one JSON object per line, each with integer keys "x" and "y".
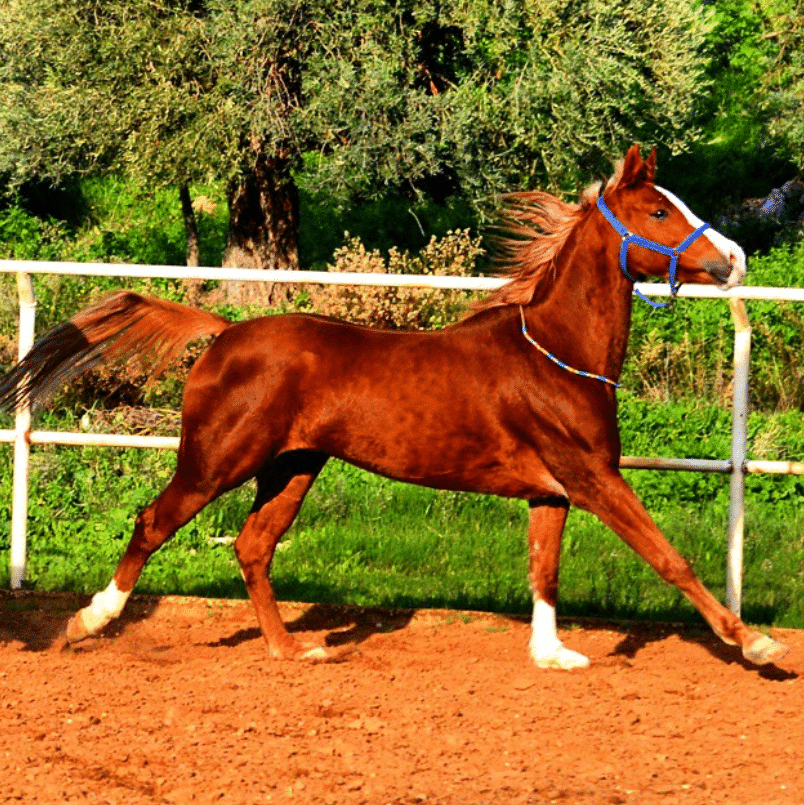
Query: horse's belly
{"x": 452, "y": 458}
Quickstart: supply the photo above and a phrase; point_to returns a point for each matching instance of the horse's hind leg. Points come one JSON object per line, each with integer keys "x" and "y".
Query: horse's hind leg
{"x": 281, "y": 487}
{"x": 547, "y": 520}
{"x": 178, "y": 504}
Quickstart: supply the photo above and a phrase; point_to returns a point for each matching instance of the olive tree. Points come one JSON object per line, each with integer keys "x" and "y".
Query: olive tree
{"x": 429, "y": 98}
{"x": 783, "y": 90}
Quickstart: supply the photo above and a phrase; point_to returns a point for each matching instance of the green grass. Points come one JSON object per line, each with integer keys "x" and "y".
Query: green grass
{"x": 365, "y": 540}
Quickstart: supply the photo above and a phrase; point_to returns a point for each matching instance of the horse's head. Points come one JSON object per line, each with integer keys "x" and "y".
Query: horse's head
{"x": 650, "y": 217}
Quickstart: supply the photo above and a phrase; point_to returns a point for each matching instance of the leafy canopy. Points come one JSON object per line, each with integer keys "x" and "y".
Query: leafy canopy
{"x": 431, "y": 97}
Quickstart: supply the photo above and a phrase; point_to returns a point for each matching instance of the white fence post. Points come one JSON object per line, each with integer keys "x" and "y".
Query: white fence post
{"x": 22, "y": 425}
{"x": 739, "y": 425}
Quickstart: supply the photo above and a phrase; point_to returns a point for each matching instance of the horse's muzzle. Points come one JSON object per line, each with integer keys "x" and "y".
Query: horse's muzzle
{"x": 738, "y": 266}
{"x": 721, "y": 272}
{"x": 728, "y": 273}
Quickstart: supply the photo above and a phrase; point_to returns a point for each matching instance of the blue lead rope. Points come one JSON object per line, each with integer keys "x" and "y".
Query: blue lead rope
{"x": 558, "y": 362}
{"x": 629, "y": 238}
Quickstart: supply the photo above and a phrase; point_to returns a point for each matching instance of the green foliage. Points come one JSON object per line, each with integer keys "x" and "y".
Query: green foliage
{"x": 777, "y": 377}
{"x": 687, "y": 430}
{"x": 92, "y": 87}
{"x": 118, "y": 221}
{"x": 361, "y": 539}
{"x": 783, "y": 84}
{"x": 26, "y": 237}
{"x": 418, "y": 99}
{"x": 575, "y": 83}
{"x": 393, "y": 221}
{"x": 514, "y": 94}
{"x": 739, "y": 49}
{"x": 687, "y": 354}
{"x": 427, "y": 97}
{"x": 741, "y": 151}
{"x": 126, "y": 223}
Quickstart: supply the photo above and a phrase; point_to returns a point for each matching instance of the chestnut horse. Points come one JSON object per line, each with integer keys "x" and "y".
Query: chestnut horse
{"x": 517, "y": 399}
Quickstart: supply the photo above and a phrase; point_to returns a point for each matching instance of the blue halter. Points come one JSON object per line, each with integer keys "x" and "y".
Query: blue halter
{"x": 629, "y": 238}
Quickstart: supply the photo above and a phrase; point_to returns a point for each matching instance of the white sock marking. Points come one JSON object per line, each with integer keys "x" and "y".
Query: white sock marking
{"x": 546, "y": 650}
{"x": 730, "y": 250}
{"x": 105, "y": 606}
{"x": 544, "y": 640}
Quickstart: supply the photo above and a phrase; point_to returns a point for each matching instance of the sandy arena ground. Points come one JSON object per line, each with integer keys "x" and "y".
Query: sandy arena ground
{"x": 180, "y": 703}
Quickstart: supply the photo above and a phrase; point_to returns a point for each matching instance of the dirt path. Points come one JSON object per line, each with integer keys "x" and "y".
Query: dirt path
{"x": 180, "y": 703}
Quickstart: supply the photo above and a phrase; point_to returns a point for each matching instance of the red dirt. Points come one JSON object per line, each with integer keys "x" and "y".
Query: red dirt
{"x": 180, "y": 703}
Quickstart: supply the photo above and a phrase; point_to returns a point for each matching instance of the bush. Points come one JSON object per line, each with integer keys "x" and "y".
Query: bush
{"x": 454, "y": 255}
{"x": 26, "y": 237}
{"x": 687, "y": 353}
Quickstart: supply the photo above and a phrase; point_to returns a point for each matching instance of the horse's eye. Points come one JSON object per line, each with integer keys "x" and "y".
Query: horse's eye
{"x": 660, "y": 214}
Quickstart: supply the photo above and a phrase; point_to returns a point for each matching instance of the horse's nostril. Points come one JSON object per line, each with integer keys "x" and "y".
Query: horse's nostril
{"x": 719, "y": 271}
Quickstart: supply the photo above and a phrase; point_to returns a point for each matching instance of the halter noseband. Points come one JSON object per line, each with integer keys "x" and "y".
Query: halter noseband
{"x": 630, "y": 238}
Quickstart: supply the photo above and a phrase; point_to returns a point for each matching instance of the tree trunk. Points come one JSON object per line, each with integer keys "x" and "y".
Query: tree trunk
{"x": 264, "y": 217}
{"x": 190, "y": 227}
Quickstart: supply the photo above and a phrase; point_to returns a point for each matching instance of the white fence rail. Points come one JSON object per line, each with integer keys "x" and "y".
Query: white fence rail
{"x": 22, "y": 437}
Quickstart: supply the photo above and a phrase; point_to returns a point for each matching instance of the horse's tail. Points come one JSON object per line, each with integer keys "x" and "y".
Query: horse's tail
{"x": 121, "y": 325}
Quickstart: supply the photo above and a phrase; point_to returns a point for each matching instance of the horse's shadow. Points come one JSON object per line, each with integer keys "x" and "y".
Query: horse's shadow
{"x": 38, "y": 621}
{"x": 636, "y": 638}
{"x": 25, "y": 621}
{"x": 345, "y": 625}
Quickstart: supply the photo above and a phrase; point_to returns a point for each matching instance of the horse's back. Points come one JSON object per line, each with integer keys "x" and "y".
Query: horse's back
{"x": 325, "y": 349}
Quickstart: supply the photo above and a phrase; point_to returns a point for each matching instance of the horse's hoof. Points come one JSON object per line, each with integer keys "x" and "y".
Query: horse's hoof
{"x": 309, "y": 652}
{"x": 764, "y": 650}
{"x": 315, "y": 654}
{"x": 76, "y": 629}
{"x": 319, "y": 654}
{"x": 563, "y": 659}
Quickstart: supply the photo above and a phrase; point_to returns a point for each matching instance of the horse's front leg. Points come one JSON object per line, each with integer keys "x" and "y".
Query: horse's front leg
{"x": 616, "y": 504}
{"x": 547, "y": 520}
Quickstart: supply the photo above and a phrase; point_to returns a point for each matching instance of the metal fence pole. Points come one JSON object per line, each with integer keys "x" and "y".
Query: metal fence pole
{"x": 742, "y": 353}
{"x": 22, "y": 425}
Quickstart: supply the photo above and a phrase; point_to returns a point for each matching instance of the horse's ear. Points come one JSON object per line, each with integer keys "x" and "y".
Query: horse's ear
{"x": 636, "y": 170}
{"x": 650, "y": 165}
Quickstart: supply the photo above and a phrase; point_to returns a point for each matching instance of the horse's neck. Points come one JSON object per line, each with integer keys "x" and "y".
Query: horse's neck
{"x": 585, "y": 317}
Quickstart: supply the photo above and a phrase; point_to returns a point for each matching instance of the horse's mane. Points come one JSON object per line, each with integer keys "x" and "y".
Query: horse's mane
{"x": 534, "y": 226}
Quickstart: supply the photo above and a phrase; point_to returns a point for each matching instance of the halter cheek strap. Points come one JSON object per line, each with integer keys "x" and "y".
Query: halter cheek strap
{"x": 628, "y": 238}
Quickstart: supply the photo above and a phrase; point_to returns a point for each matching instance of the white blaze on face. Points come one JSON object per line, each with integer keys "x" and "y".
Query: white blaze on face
{"x": 731, "y": 251}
